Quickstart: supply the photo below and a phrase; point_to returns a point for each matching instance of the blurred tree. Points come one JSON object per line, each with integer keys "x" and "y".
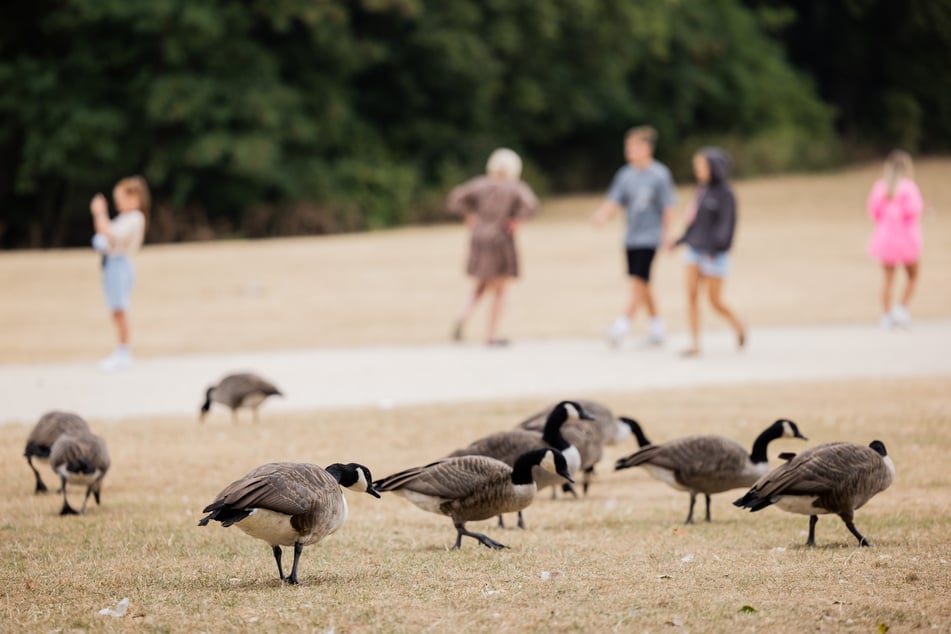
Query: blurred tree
{"x": 269, "y": 116}
{"x": 883, "y": 65}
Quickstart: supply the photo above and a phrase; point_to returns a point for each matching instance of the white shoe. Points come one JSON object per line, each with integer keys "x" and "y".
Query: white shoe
{"x": 887, "y": 322}
{"x": 656, "y": 332}
{"x": 615, "y": 334}
{"x": 900, "y": 316}
{"x": 118, "y": 360}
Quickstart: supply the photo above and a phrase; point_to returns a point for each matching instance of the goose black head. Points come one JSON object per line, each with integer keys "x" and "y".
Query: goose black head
{"x": 354, "y": 476}
{"x": 636, "y": 430}
{"x": 879, "y": 447}
{"x": 789, "y": 428}
{"x": 207, "y": 404}
{"x": 554, "y": 461}
{"x": 569, "y": 409}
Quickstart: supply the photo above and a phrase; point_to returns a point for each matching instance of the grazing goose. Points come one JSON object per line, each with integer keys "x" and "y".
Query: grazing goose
{"x": 507, "y": 446}
{"x": 51, "y": 426}
{"x": 473, "y": 488}
{"x": 239, "y": 390}
{"x": 633, "y": 428}
{"x": 587, "y": 434}
{"x": 289, "y": 504}
{"x": 708, "y": 464}
{"x": 80, "y": 458}
{"x": 838, "y": 477}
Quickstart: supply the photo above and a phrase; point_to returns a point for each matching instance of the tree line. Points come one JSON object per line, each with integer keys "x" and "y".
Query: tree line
{"x": 280, "y": 117}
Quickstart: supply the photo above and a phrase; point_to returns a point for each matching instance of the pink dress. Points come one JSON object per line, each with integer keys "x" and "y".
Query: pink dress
{"x": 897, "y": 235}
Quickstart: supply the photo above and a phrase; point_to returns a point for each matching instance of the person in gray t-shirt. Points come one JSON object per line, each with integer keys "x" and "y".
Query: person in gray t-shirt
{"x": 644, "y": 190}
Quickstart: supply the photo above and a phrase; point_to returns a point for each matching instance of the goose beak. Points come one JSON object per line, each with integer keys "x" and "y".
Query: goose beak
{"x": 798, "y": 435}
{"x": 373, "y": 491}
{"x": 567, "y": 476}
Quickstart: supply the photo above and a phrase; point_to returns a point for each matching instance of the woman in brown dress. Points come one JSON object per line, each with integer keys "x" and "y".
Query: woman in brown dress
{"x": 492, "y": 205}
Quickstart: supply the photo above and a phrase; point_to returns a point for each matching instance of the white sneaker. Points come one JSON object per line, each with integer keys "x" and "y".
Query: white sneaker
{"x": 900, "y": 316}
{"x": 118, "y": 360}
{"x": 615, "y": 334}
{"x": 887, "y": 322}
{"x": 656, "y": 332}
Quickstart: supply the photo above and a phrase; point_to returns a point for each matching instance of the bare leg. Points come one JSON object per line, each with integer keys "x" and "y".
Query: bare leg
{"x": 715, "y": 287}
{"x": 470, "y": 306}
{"x": 889, "y": 280}
{"x": 912, "y": 271}
{"x": 640, "y": 294}
{"x": 122, "y": 326}
{"x": 693, "y": 307}
{"x": 497, "y": 286}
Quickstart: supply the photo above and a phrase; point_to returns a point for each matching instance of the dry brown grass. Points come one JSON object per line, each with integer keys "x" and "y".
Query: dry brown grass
{"x": 620, "y": 560}
{"x": 800, "y": 258}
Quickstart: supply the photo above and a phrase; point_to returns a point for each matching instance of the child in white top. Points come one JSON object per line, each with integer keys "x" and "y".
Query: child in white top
{"x": 118, "y": 240}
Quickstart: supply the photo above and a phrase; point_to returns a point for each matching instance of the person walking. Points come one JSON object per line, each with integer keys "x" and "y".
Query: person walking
{"x": 644, "y": 190}
{"x": 493, "y": 206}
{"x": 895, "y": 205}
{"x": 119, "y": 240}
{"x": 707, "y": 239}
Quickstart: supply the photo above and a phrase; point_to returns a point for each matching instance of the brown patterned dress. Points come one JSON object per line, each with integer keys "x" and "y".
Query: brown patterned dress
{"x": 493, "y": 204}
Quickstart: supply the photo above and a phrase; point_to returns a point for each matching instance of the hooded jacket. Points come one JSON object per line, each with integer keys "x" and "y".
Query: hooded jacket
{"x": 711, "y": 230}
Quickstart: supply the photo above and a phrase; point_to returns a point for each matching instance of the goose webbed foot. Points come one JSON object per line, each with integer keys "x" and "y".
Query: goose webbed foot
{"x": 68, "y": 510}
{"x": 483, "y": 539}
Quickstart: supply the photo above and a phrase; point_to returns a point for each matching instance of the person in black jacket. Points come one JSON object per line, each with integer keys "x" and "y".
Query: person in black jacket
{"x": 708, "y": 239}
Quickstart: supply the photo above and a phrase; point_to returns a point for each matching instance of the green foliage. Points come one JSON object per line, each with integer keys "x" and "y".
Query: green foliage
{"x": 263, "y": 117}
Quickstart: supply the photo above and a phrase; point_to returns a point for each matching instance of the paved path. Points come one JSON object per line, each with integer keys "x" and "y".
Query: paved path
{"x": 393, "y": 376}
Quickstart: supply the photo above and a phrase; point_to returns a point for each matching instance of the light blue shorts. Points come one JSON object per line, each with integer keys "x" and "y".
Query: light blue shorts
{"x": 710, "y": 264}
{"x": 118, "y": 277}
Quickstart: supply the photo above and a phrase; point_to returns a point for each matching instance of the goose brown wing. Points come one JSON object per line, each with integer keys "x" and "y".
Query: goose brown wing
{"x": 51, "y": 426}
{"x": 815, "y": 471}
{"x": 506, "y": 446}
{"x": 283, "y": 487}
{"x": 449, "y": 478}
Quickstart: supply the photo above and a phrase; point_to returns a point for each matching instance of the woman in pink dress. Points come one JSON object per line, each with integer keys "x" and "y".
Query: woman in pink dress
{"x": 493, "y": 205}
{"x": 895, "y": 205}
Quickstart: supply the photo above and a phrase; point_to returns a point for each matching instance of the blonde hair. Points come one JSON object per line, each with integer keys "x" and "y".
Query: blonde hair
{"x": 137, "y": 185}
{"x": 504, "y": 162}
{"x": 898, "y": 165}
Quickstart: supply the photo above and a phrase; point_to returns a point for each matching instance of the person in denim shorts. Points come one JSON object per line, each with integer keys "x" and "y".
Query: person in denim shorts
{"x": 708, "y": 239}
{"x": 118, "y": 240}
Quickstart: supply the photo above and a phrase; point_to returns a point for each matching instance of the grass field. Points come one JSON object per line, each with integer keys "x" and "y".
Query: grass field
{"x": 619, "y": 560}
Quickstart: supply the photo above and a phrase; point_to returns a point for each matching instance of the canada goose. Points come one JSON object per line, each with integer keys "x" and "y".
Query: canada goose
{"x": 239, "y": 390}
{"x": 708, "y": 464}
{"x": 838, "y": 477}
{"x": 472, "y": 488}
{"x": 51, "y": 426}
{"x": 507, "y": 446}
{"x": 289, "y": 504}
{"x": 80, "y": 458}
{"x": 632, "y": 427}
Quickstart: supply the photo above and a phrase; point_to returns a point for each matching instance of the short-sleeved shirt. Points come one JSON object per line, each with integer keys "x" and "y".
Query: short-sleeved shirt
{"x": 128, "y": 232}
{"x": 644, "y": 194}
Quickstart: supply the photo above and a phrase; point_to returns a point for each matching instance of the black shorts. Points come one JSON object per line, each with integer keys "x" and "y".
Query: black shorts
{"x": 639, "y": 263}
